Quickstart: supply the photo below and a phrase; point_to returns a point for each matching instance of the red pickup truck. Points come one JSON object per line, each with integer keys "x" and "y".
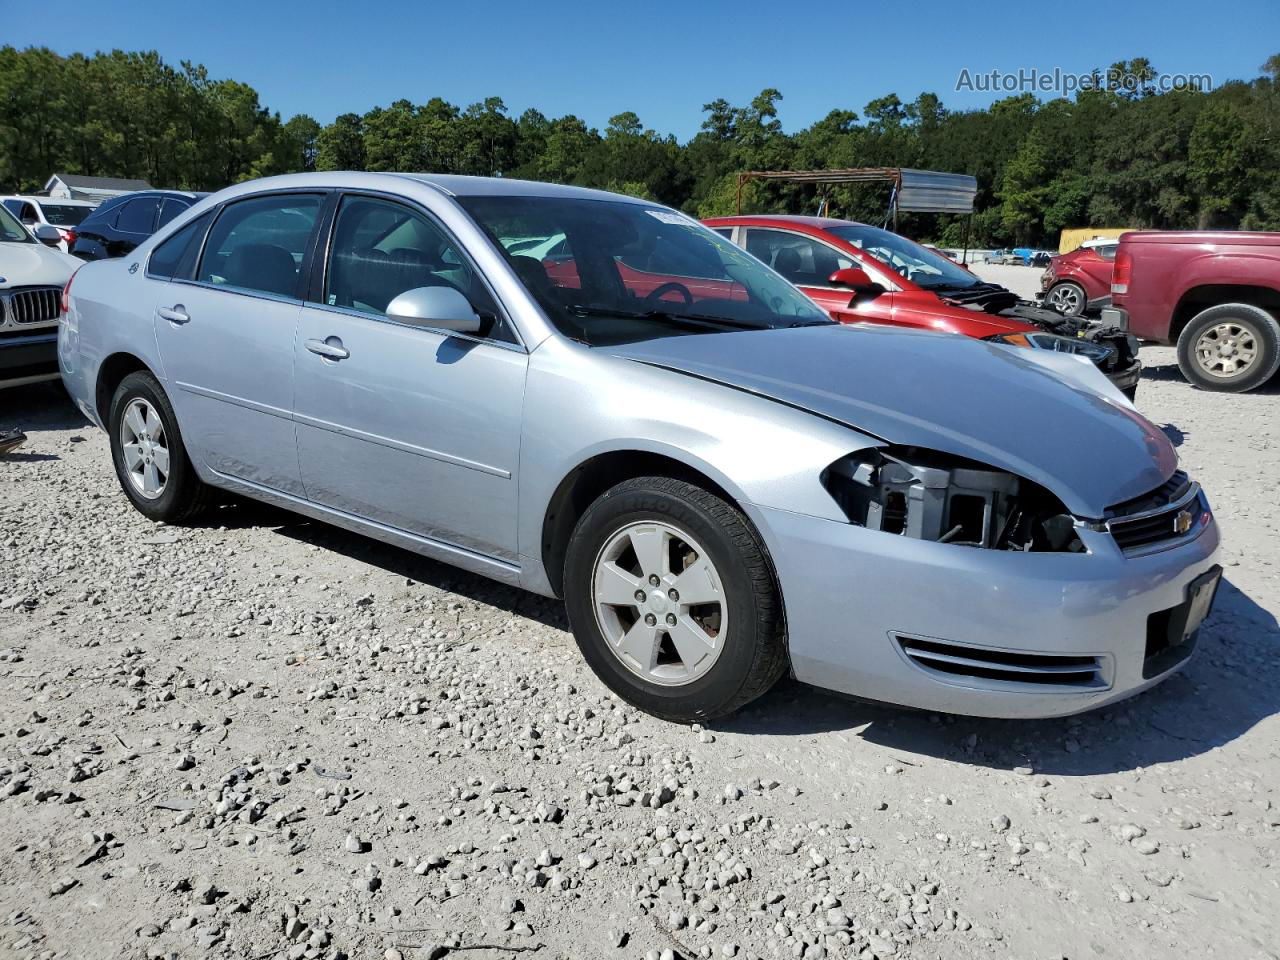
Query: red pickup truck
{"x": 1216, "y": 294}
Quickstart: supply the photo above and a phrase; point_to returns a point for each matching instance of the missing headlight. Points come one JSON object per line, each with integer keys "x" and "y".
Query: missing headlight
{"x": 935, "y": 496}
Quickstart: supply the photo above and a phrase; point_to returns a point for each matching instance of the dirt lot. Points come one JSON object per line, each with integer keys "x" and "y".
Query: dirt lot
{"x": 263, "y": 737}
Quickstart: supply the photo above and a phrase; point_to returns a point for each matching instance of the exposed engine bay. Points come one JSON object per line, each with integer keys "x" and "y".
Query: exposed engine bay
{"x": 1110, "y": 348}
{"x": 934, "y": 496}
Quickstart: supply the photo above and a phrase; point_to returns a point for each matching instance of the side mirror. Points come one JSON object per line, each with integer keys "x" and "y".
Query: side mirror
{"x": 440, "y": 308}
{"x": 47, "y": 234}
{"x": 855, "y": 278}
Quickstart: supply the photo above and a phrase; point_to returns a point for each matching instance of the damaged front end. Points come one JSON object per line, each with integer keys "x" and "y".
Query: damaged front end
{"x": 934, "y": 496}
{"x": 1110, "y": 349}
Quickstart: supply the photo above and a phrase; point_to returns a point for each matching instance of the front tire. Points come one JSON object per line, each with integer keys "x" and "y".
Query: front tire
{"x": 150, "y": 459}
{"x": 672, "y": 600}
{"x": 1231, "y": 348}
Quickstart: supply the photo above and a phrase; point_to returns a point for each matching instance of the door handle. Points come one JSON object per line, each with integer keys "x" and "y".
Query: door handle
{"x": 177, "y": 314}
{"x": 330, "y": 348}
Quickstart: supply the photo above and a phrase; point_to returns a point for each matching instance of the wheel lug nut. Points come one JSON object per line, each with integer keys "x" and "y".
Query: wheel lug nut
{"x": 639, "y": 596}
{"x": 650, "y": 619}
{"x": 653, "y": 579}
{"x": 674, "y": 595}
{"x": 671, "y": 619}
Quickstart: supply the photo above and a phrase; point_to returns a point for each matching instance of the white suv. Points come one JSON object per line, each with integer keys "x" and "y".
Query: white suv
{"x": 32, "y": 276}
{"x": 65, "y": 215}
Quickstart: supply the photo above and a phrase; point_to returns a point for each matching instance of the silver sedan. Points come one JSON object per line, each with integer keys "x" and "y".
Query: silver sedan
{"x": 596, "y": 398}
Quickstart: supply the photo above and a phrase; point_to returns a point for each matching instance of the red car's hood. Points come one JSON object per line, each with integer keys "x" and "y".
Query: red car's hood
{"x": 959, "y": 319}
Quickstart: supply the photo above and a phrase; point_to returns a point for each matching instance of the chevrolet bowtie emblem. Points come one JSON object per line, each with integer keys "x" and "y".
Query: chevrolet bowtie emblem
{"x": 1182, "y": 522}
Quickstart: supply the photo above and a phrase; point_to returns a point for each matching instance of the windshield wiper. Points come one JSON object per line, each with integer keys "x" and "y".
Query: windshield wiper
{"x": 582, "y": 310}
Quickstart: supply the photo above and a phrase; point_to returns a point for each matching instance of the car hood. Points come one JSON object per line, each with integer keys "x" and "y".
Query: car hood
{"x": 32, "y": 264}
{"x": 951, "y": 317}
{"x": 1051, "y": 419}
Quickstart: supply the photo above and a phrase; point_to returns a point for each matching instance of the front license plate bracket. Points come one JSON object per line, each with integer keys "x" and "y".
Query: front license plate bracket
{"x": 1172, "y": 633}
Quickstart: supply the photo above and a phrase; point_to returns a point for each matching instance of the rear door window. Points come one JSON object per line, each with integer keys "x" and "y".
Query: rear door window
{"x": 259, "y": 244}
{"x": 138, "y": 216}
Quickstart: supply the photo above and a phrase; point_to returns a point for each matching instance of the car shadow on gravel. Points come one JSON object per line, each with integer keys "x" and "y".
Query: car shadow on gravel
{"x": 241, "y": 514}
{"x": 40, "y": 406}
{"x": 1231, "y": 685}
{"x": 1169, "y": 373}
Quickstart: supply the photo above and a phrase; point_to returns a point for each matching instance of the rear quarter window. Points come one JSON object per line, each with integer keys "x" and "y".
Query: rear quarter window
{"x": 175, "y": 256}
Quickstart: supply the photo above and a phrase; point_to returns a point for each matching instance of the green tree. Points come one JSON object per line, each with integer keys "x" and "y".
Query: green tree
{"x": 340, "y": 145}
{"x": 1024, "y": 189}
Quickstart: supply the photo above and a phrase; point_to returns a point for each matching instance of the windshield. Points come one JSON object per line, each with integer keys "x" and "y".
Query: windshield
{"x": 611, "y": 272}
{"x": 11, "y": 231}
{"x": 64, "y": 214}
{"x": 907, "y": 258}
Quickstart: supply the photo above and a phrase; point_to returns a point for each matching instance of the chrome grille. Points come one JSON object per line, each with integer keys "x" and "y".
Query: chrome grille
{"x": 31, "y": 305}
{"x": 1163, "y": 495}
{"x": 962, "y": 662}
{"x": 1174, "y": 511}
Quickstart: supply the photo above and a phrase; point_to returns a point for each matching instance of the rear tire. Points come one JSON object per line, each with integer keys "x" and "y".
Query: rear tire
{"x": 1067, "y": 298}
{"x": 727, "y": 642}
{"x": 1230, "y": 348}
{"x": 147, "y": 450}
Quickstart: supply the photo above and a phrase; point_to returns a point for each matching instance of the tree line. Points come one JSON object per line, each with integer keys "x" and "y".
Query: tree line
{"x": 1134, "y": 157}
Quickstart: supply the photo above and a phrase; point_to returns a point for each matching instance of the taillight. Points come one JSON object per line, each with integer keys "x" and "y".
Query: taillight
{"x": 1122, "y": 272}
{"x": 70, "y": 237}
{"x": 66, "y": 292}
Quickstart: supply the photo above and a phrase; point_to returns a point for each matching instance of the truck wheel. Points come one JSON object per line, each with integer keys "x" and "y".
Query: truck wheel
{"x": 1068, "y": 298}
{"x": 1230, "y": 348}
{"x": 150, "y": 460}
{"x": 672, "y": 601}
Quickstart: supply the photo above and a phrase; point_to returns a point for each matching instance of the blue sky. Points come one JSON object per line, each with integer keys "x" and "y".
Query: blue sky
{"x": 661, "y": 59}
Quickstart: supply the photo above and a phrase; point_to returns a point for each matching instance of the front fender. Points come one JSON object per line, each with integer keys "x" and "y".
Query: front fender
{"x": 580, "y": 404}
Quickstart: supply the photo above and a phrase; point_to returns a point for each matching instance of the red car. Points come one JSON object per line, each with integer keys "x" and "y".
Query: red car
{"x": 863, "y": 274}
{"x": 1078, "y": 282}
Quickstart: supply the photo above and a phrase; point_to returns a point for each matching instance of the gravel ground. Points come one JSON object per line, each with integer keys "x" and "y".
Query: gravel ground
{"x": 263, "y": 737}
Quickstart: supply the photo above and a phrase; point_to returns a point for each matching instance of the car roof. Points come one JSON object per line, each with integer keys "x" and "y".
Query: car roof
{"x": 59, "y": 200}
{"x": 462, "y": 186}
{"x": 450, "y": 184}
{"x": 787, "y": 219}
{"x": 186, "y": 194}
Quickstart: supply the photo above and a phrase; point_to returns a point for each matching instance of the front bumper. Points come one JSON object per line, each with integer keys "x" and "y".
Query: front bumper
{"x": 852, "y": 595}
{"x": 1126, "y": 379}
{"x": 29, "y": 357}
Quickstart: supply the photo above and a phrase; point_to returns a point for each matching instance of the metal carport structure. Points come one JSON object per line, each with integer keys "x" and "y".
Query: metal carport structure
{"x": 914, "y": 191}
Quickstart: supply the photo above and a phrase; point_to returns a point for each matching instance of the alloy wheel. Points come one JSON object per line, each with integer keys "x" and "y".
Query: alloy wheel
{"x": 660, "y": 603}
{"x": 1226, "y": 350}
{"x": 145, "y": 447}
{"x": 1066, "y": 300}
